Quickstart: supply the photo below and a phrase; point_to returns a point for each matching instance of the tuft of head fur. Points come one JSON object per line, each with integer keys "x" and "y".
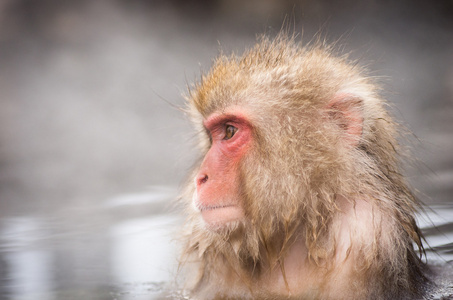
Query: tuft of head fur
{"x": 294, "y": 177}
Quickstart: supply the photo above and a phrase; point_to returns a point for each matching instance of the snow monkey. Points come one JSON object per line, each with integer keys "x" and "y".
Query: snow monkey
{"x": 299, "y": 194}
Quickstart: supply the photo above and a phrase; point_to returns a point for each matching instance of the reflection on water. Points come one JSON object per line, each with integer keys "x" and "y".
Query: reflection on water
{"x": 143, "y": 255}
{"x": 125, "y": 249}
{"x": 26, "y": 269}
{"x": 139, "y": 247}
{"x": 121, "y": 249}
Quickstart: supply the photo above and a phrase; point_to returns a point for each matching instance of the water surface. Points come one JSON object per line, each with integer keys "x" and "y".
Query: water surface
{"x": 125, "y": 248}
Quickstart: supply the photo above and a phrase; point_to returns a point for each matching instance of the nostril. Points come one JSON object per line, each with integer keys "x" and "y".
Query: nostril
{"x": 202, "y": 179}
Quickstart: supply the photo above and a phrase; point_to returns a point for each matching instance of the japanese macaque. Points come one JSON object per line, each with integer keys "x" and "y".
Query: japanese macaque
{"x": 299, "y": 194}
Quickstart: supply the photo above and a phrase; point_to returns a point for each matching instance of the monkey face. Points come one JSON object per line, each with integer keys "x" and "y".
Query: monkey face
{"x": 218, "y": 187}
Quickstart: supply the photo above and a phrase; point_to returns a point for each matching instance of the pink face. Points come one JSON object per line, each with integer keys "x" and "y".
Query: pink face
{"x": 218, "y": 194}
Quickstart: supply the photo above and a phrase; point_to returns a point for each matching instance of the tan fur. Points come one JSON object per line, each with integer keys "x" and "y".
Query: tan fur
{"x": 328, "y": 214}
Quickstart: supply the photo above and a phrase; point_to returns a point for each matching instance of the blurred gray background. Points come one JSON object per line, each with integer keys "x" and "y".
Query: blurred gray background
{"x": 93, "y": 148}
{"x": 88, "y": 88}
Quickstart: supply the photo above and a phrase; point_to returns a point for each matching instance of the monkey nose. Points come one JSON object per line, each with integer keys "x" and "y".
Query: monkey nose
{"x": 202, "y": 178}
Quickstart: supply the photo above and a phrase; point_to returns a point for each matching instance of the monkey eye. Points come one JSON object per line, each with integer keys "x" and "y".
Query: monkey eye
{"x": 230, "y": 130}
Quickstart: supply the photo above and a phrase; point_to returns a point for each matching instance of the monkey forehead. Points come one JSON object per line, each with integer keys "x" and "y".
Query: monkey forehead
{"x": 282, "y": 87}
{"x": 253, "y": 97}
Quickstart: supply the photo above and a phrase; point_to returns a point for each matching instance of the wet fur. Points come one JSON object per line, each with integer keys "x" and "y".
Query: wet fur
{"x": 343, "y": 215}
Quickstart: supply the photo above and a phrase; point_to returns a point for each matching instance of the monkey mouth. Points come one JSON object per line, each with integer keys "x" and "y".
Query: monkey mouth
{"x": 207, "y": 208}
{"x": 218, "y": 216}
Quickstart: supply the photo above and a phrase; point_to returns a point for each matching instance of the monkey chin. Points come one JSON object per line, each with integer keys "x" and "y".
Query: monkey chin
{"x": 220, "y": 217}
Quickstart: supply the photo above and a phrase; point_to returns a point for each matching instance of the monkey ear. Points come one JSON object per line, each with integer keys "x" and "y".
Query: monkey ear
{"x": 346, "y": 112}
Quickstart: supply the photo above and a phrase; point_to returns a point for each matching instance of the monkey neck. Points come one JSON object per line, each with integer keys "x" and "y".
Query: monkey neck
{"x": 353, "y": 229}
{"x": 285, "y": 275}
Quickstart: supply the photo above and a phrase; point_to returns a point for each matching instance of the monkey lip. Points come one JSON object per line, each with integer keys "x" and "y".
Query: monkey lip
{"x": 204, "y": 208}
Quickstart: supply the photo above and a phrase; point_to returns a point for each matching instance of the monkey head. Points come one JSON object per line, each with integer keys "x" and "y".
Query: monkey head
{"x": 268, "y": 121}
{"x": 299, "y": 167}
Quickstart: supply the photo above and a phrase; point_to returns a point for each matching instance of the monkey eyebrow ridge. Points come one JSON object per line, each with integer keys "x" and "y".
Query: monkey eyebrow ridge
{"x": 220, "y": 118}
